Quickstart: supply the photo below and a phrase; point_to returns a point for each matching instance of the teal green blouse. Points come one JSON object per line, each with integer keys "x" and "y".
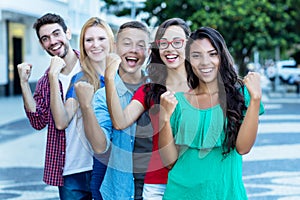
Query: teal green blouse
{"x": 201, "y": 171}
{"x": 208, "y": 131}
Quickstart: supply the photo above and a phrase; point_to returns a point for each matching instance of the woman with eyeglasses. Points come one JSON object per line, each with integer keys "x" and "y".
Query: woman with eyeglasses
{"x": 166, "y": 71}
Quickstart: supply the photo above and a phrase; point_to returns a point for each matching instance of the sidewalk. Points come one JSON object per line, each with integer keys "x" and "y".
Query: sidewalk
{"x": 16, "y": 136}
{"x": 11, "y": 109}
{"x": 22, "y": 156}
{"x": 279, "y": 97}
{"x": 22, "y": 150}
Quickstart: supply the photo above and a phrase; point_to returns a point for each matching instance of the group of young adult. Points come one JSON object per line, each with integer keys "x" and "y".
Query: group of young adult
{"x": 174, "y": 130}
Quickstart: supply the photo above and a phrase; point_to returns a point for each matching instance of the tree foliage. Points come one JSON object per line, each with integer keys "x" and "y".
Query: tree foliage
{"x": 246, "y": 25}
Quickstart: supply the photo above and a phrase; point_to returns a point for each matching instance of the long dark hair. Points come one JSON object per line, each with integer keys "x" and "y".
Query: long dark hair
{"x": 157, "y": 70}
{"x": 231, "y": 99}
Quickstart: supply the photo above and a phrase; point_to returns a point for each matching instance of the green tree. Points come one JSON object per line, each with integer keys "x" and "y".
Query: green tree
{"x": 247, "y": 26}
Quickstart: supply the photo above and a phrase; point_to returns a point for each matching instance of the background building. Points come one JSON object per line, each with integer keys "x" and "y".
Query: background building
{"x": 18, "y": 40}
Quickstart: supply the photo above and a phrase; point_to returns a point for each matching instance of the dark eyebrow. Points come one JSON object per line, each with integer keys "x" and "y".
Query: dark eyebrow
{"x": 50, "y": 34}
{"x": 210, "y": 51}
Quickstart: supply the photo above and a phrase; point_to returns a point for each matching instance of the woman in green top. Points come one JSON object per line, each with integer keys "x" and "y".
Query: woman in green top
{"x": 206, "y": 130}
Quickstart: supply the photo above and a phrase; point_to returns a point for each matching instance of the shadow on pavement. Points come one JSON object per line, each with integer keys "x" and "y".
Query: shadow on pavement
{"x": 25, "y": 184}
{"x": 15, "y": 129}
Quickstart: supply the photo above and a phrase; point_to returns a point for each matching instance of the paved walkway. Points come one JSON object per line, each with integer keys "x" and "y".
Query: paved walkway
{"x": 19, "y": 153}
{"x": 11, "y": 109}
{"x": 27, "y": 157}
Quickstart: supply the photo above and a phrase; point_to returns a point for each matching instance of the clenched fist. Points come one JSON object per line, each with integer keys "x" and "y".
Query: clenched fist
{"x": 85, "y": 93}
{"x": 56, "y": 65}
{"x": 168, "y": 103}
{"x": 112, "y": 65}
{"x": 24, "y": 70}
{"x": 252, "y": 82}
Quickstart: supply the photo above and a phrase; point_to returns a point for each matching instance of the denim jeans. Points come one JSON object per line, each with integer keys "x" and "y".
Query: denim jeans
{"x": 154, "y": 191}
{"x": 76, "y": 186}
{"x": 138, "y": 188}
{"x": 99, "y": 169}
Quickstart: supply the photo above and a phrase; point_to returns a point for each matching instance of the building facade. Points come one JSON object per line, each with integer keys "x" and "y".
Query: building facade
{"x": 18, "y": 40}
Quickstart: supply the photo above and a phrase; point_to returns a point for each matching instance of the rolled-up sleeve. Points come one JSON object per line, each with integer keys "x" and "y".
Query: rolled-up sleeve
{"x": 40, "y": 118}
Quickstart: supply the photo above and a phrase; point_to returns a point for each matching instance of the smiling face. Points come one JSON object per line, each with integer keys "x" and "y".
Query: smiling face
{"x": 173, "y": 57}
{"x": 132, "y": 47}
{"x": 205, "y": 60}
{"x": 54, "y": 40}
{"x": 96, "y": 44}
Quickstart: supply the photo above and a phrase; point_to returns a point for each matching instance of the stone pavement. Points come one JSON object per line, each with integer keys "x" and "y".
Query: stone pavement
{"x": 271, "y": 170}
{"x": 11, "y": 109}
{"x": 22, "y": 160}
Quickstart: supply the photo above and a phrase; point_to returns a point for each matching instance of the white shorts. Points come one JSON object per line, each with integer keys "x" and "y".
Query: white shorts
{"x": 154, "y": 191}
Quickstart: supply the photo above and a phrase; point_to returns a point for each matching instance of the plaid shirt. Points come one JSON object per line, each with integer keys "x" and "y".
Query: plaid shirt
{"x": 56, "y": 139}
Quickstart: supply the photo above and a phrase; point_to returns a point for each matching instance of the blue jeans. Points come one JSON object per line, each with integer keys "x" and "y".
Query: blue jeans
{"x": 76, "y": 186}
{"x": 138, "y": 188}
{"x": 99, "y": 169}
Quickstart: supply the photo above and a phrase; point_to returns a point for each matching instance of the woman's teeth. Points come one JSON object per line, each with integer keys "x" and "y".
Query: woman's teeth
{"x": 206, "y": 70}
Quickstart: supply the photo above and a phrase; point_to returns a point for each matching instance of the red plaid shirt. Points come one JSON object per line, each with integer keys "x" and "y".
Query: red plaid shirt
{"x": 56, "y": 139}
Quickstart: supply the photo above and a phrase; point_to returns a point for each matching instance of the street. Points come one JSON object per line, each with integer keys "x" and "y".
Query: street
{"x": 22, "y": 151}
{"x": 271, "y": 171}
{"x": 272, "y": 168}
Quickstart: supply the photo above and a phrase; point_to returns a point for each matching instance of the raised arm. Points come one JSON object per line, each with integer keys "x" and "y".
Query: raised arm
{"x": 167, "y": 147}
{"x": 248, "y": 130}
{"x": 121, "y": 118}
{"x": 92, "y": 129}
{"x": 24, "y": 70}
{"x": 62, "y": 112}
{"x": 36, "y": 106}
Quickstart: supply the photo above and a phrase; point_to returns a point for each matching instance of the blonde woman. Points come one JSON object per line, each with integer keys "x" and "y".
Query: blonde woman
{"x": 96, "y": 41}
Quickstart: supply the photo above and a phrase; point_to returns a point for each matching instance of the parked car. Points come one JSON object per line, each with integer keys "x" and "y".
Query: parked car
{"x": 295, "y": 80}
{"x": 286, "y": 69}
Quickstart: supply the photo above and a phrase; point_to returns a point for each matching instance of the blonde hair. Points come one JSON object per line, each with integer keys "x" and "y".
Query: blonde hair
{"x": 90, "y": 72}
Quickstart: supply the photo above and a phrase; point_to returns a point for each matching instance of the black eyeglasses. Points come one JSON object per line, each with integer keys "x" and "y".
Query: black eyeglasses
{"x": 163, "y": 43}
